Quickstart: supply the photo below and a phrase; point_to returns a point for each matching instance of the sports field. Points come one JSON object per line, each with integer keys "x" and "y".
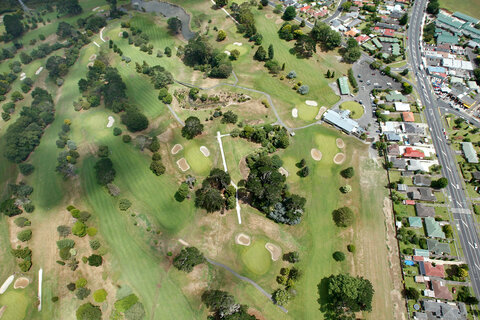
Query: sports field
{"x": 469, "y": 7}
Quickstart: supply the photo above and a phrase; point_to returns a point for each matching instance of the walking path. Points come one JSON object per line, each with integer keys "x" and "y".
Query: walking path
{"x": 228, "y": 14}
{"x": 175, "y": 115}
{"x": 101, "y": 34}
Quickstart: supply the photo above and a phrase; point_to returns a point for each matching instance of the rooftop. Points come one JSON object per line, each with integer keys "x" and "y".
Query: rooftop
{"x": 343, "y": 85}
{"x": 415, "y": 222}
{"x": 433, "y": 228}
{"x": 427, "y": 269}
{"x": 408, "y": 117}
{"x": 438, "y": 247}
{"x": 424, "y": 211}
{"x": 469, "y": 152}
{"x": 441, "y": 290}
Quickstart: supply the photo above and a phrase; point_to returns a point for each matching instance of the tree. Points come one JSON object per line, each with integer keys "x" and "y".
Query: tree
{"x": 82, "y": 293}
{"x": 292, "y": 257}
{"x": 234, "y": 54}
{"x": 70, "y": 7}
{"x": 24, "y": 235}
{"x": 260, "y": 54}
{"x": 182, "y": 192}
{"x": 9, "y": 208}
{"x": 304, "y": 172}
{"x": 100, "y": 295}
{"x": 348, "y": 173}
{"x": 229, "y": 117}
{"x": 209, "y": 198}
{"x": 124, "y": 204}
{"x": 352, "y": 52}
{"x": 406, "y": 88}
{"x": 448, "y": 230}
{"x": 104, "y": 171}
{"x": 89, "y": 311}
{"x": 221, "y": 3}
{"x": 192, "y": 128}
{"x": 347, "y": 295}
{"x": 404, "y": 19}
{"x": 221, "y": 35}
{"x": 79, "y": 229}
{"x": 224, "y": 306}
{"x": 13, "y": 25}
{"x": 304, "y": 89}
{"x": 433, "y": 7}
{"x": 63, "y": 231}
{"x": 157, "y": 168}
{"x": 338, "y": 256}
{"x": 174, "y": 24}
{"x": 271, "y": 53}
{"x": 134, "y": 120}
{"x": 188, "y": 258}
{"x": 289, "y": 14}
{"x": 343, "y": 217}
{"x": 412, "y": 293}
{"x": 346, "y": 189}
{"x": 440, "y": 183}
{"x": 281, "y": 297}
{"x": 95, "y": 260}
{"x": 94, "y": 244}
{"x": 323, "y": 34}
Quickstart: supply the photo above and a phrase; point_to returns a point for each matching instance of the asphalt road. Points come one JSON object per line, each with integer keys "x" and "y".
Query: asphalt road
{"x": 463, "y": 219}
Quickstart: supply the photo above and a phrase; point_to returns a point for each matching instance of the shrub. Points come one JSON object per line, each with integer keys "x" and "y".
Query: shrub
{"x": 351, "y": 248}
{"x": 126, "y": 138}
{"x": 117, "y": 131}
{"x": 347, "y": 173}
{"x": 71, "y": 286}
{"x": 126, "y": 303}
{"x": 65, "y": 243}
{"x": 281, "y": 297}
{"x": 343, "y": 217}
{"x": 9, "y": 208}
{"x": 25, "y": 265}
{"x": 70, "y": 208}
{"x": 94, "y": 244}
{"x": 80, "y": 283}
{"x": 54, "y": 299}
{"x": 124, "y": 204}
{"x": 65, "y": 254}
{"x": 92, "y": 231}
{"x": 63, "y": 231}
{"x": 338, "y": 256}
{"x": 156, "y": 156}
{"x": 188, "y": 258}
{"x": 303, "y": 90}
{"x": 79, "y": 229}
{"x": 75, "y": 213}
{"x": 157, "y": 168}
{"x": 24, "y": 235}
{"x": 100, "y": 295}
{"x": 26, "y": 168}
{"x": 22, "y": 222}
{"x": 84, "y": 216}
{"x": 292, "y": 257}
{"x": 29, "y": 207}
{"x": 346, "y": 189}
{"x": 136, "y": 312}
{"x": 95, "y": 260}
{"x": 292, "y": 75}
{"x": 88, "y": 311}
{"x": 82, "y": 293}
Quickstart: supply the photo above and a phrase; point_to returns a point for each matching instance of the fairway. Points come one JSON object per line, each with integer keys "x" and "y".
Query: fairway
{"x": 17, "y": 303}
{"x": 256, "y": 257}
{"x": 356, "y": 110}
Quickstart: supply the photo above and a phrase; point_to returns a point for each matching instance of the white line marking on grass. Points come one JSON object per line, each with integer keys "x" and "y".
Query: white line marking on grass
{"x": 40, "y": 276}
{"x": 185, "y": 243}
{"x": 6, "y": 284}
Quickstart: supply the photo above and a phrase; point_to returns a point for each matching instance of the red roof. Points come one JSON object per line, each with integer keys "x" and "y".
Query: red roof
{"x": 362, "y": 38}
{"x": 408, "y": 117}
{"x": 418, "y": 258}
{"x": 431, "y": 271}
{"x": 441, "y": 290}
{"x": 388, "y": 32}
{"x": 305, "y": 8}
{"x": 410, "y": 202}
{"x": 412, "y": 153}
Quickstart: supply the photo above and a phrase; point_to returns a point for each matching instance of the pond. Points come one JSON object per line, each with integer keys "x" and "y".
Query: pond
{"x": 168, "y": 10}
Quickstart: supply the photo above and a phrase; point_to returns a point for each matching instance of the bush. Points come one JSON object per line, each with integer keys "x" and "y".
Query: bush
{"x": 117, "y": 131}
{"x": 347, "y": 173}
{"x": 292, "y": 75}
{"x": 304, "y": 89}
{"x": 29, "y": 207}
{"x": 126, "y": 138}
{"x": 24, "y": 235}
{"x": 95, "y": 260}
{"x": 124, "y": 204}
{"x": 79, "y": 229}
{"x": 84, "y": 216}
{"x": 343, "y": 217}
{"x": 100, "y": 295}
{"x": 65, "y": 254}
{"x": 157, "y": 167}
{"x": 80, "y": 283}
{"x": 346, "y": 189}
{"x": 26, "y": 169}
{"x": 126, "y": 303}
{"x": 88, "y": 311}
{"x": 94, "y": 244}
{"x": 92, "y": 231}
{"x": 338, "y": 256}
{"x": 54, "y": 299}
{"x": 82, "y": 293}
{"x": 65, "y": 243}
{"x": 188, "y": 258}
{"x": 351, "y": 248}
{"x": 105, "y": 172}
{"x": 156, "y": 156}
{"x": 63, "y": 231}
{"x": 22, "y": 222}
{"x": 71, "y": 286}
{"x": 75, "y": 213}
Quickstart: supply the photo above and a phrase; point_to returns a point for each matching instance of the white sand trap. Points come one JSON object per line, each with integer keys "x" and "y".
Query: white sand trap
{"x": 185, "y": 243}
{"x": 183, "y": 164}
{"x": 227, "y": 52}
{"x": 92, "y": 57}
{"x": 176, "y": 148}
{"x": 22, "y": 78}
{"x": 205, "y": 151}
{"x": 242, "y": 239}
{"x": 22, "y": 74}
{"x": 120, "y": 34}
{"x": 320, "y": 113}
{"x": 39, "y": 70}
{"x": 283, "y": 171}
{"x": 274, "y": 250}
{"x": 238, "y": 44}
{"x": 6, "y": 284}
{"x": 90, "y": 64}
{"x": 95, "y": 9}
{"x": 111, "y": 121}
{"x": 311, "y": 103}
{"x": 21, "y": 283}
{"x": 339, "y": 158}
{"x": 295, "y": 112}
{"x": 316, "y": 154}
{"x": 340, "y": 143}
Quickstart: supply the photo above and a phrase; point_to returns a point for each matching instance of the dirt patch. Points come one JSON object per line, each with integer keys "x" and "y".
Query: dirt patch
{"x": 269, "y": 16}
{"x": 166, "y": 136}
{"x": 255, "y": 313}
{"x": 176, "y": 148}
{"x": 183, "y": 164}
{"x": 274, "y": 250}
{"x": 205, "y": 151}
{"x": 21, "y": 283}
{"x": 242, "y": 166}
{"x": 92, "y": 57}
{"x": 340, "y": 143}
{"x": 283, "y": 171}
{"x": 339, "y": 158}
{"x": 278, "y": 21}
{"x": 242, "y": 239}
{"x": 316, "y": 154}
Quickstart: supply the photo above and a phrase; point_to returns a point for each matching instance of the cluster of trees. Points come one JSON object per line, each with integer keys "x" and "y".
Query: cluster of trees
{"x": 216, "y": 192}
{"x": 188, "y": 258}
{"x": 24, "y": 135}
{"x": 270, "y": 137}
{"x": 184, "y": 189}
{"x": 343, "y": 217}
{"x": 69, "y": 7}
{"x": 287, "y": 278}
{"x": 352, "y": 52}
{"x": 457, "y": 272}
{"x": 268, "y": 192}
{"x": 92, "y": 23}
{"x": 290, "y": 31}
{"x": 223, "y": 306}
{"x": 160, "y": 77}
{"x": 199, "y": 53}
{"x": 175, "y": 25}
{"x": 347, "y": 295}
{"x": 104, "y": 171}
{"x": 245, "y": 18}
{"x": 192, "y": 127}
{"x": 13, "y": 26}
{"x": 25, "y": 257}
{"x": 304, "y": 169}
{"x": 6, "y": 79}
{"x": 409, "y": 236}
{"x": 433, "y": 7}
{"x": 439, "y": 183}
{"x": 156, "y": 166}
{"x": 66, "y": 158}
{"x": 327, "y": 38}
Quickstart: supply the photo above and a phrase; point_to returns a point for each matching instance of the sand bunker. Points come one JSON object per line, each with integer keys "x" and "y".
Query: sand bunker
{"x": 238, "y": 44}
{"x": 242, "y": 239}
{"x": 340, "y": 143}
{"x": 176, "y": 148}
{"x": 183, "y": 164}
{"x": 185, "y": 243}
{"x": 90, "y": 64}
{"x": 111, "y": 121}
{"x": 320, "y": 113}
{"x": 6, "y": 284}
{"x": 274, "y": 250}
{"x": 283, "y": 171}
{"x": 205, "y": 151}
{"x": 269, "y": 16}
{"x": 295, "y": 112}
{"x": 339, "y": 158}
{"x": 278, "y": 21}
{"x": 92, "y": 57}
{"x": 21, "y": 283}
{"x": 311, "y": 103}
{"x": 22, "y": 76}
{"x": 39, "y": 70}
{"x": 227, "y": 52}
{"x": 95, "y": 9}
{"x": 316, "y": 154}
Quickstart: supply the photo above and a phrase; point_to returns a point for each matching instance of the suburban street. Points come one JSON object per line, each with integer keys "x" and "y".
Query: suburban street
{"x": 460, "y": 207}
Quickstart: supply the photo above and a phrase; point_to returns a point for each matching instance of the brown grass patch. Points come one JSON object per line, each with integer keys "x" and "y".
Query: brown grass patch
{"x": 339, "y": 158}
{"x": 176, "y": 148}
{"x": 183, "y": 164}
{"x": 274, "y": 250}
{"x": 316, "y": 154}
{"x": 269, "y": 16}
{"x": 21, "y": 283}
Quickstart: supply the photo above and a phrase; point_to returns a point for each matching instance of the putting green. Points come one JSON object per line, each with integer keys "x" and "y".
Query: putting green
{"x": 195, "y": 158}
{"x": 242, "y": 49}
{"x": 256, "y": 257}
{"x": 307, "y": 113}
{"x": 16, "y": 302}
{"x": 356, "y": 110}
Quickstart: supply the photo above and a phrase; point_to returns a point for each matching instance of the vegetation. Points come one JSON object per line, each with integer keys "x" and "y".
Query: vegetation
{"x": 187, "y": 259}
{"x": 216, "y": 193}
{"x": 343, "y": 217}
{"x": 223, "y": 306}
{"x": 89, "y": 311}
{"x": 192, "y": 127}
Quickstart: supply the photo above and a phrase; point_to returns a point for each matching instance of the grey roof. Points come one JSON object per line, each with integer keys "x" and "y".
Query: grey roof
{"x": 402, "y": 187}
{"x": 413, "y": 128}
{"x": 476, "y": 175}
{"x": 438, "y": 247}
{"x": 398, "y": 163}
{"x": 424, "y": 211}
{"x": 422, "y": 181}
{"x": 442, "y": 310}
{"x": 421, "y": 193}
{"x": 433, "y": 228}
{"x": 387, "y": 26}
{"x": 469, "y": 152}
{"x": 392, "y": 136}
{"x": 342, "y": 121}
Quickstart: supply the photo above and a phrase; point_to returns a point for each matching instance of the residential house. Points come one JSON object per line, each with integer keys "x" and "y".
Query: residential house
{"x": 433, "y": 228}
{"x": 392, "y": 136}
{"x": 412, "y": 153}
{"x": 424, "y": 211}
{"x": 441, "y": 290}
{"x": 427, "y": 269}
{"x": 437, "y": 247}
{"x": 421, "y": 193}
{"x": 442, "y": 310}
{"x": 401, "y": 106}
{"x": 415, "y": 222}
{"x": 393, "y": 150}
{"x": 422, "y": 181}
{"x": 398, "y": 163}
{"x": 395, "y": 96}
{"x": 408, "y": 117}
{"x": 402, "y": 187}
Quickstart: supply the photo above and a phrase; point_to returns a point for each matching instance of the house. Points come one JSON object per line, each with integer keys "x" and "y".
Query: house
{"x": 469, "y": 152}
{"x": 398, "y": 163}
{"x": 441, "y": 310}
{"x": 362, "y": 38}
{"x": 393, "y": 150}
{"x": 402, "y": 187}
{"x": 421, "y": 253}
{"x": 342, "y": 121}
{"x": 448, "y": 23}
{"x": 427, "y": 269}
{"x": 401, "y": 106}
{"x": 433, "y": 228}
{"x": 424, "y": 211}
{"x": 343, "y": 85}
{"x": 408, "y": 117}
{"x": 415, "y": 222}
{"x": 413, "y": 140}
{"x": 441, "y": 290}
{"x": 476, "y": 175}
{"x": 437, "y": 247}
{"x": 394, "y": 96}
{"x": 421, "y": 193}
{"x": 413, "y": 128}
{"x": 412, "y": 153}
{"x": 392, "y": 136}
{"x": 422, "y": 181}
{"x": 388, "y": 32}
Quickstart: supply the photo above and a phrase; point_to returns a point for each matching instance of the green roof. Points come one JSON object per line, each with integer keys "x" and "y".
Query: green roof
{"x": 433, "y": 228}
{"x": 395, "y": 49}
{"x": 421, "y": 253}
{"x": 447, "y": 38}
{"x": 449, "y": 21}
{"x": 472, "y": 30}
{"x": 385, "y": 55}
{"x": 387, "y": 39}
{"x": 377, "y": 43}
{"x": 369, "y": 46}
{"x": 395, "y": 97}
{"x": 464, "y": 17}
{"x": 415, "y": 222}
{"x": 438, "y": 247}
{"x": 469, "y": 152}
{"x": 343, "y": 84}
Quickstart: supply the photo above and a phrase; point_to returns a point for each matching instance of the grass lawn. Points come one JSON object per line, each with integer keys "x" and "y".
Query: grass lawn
{"x": 307, "y": 113}
{"x": 198, "y": 162}
{"x": 356, "y": 110}
{"x": 469, "y": 7}
{"x": 256, "y": 257}
{"x": 17, "y": 303}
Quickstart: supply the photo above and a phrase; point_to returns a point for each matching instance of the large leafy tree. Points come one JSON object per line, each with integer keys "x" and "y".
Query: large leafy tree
{"x": 70, "y": 7}
{"x": 89, "y": 311}
{"x": 329, "y": 39}
{"x": 13, "y": 25}
{"x": 192, "y": 128}
{"x": 188, "y": 258}
{"x": 105, "y": 172}
{"x": 174, "y": 24}
{"x": 224, "y": 306}
{"x": 343, "y": 217}
{"x": 289, "y": 14}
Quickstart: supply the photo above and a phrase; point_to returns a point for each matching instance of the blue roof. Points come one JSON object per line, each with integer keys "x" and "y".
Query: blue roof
{"x": 437, "y": 69}
{"x": 340, "y": 120}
